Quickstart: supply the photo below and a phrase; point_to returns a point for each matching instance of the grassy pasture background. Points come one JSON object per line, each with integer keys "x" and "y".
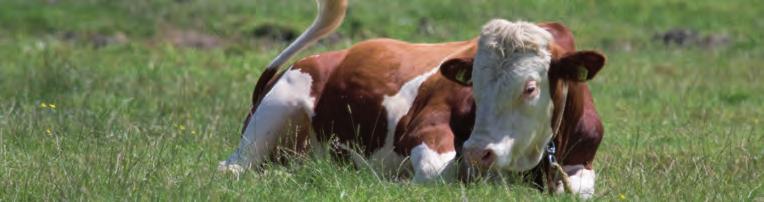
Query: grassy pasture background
{"x": 139, "y": 99}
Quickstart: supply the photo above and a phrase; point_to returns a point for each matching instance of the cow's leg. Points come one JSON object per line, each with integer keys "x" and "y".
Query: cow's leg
{"x": 581, "y": 180}
{"x": 430, "y": 165}
{"x": 289, "y": 101}
{"x": 579, "y": 151}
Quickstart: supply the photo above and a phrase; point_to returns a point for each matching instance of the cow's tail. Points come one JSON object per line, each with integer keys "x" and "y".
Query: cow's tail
{"x": 330, "y": 16}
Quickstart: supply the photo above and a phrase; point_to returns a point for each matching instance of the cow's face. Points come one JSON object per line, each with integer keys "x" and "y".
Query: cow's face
{"x": 509, "y": 76}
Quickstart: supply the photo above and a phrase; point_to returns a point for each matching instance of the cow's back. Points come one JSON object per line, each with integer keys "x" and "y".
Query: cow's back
{"x": 350, "y": 94}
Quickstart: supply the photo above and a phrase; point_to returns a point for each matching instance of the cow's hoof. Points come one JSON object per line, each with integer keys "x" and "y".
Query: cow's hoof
{"x": 235, "y": 169}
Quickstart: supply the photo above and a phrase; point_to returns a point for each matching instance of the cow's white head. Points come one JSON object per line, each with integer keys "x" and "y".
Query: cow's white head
{"x": 511, "y": 88}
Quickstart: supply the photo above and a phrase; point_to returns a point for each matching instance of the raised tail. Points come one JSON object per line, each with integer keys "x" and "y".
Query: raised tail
{"x": 330, "y": 16}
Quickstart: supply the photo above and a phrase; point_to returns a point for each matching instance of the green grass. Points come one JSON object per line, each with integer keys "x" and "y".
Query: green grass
{"x": 146, "y": 120}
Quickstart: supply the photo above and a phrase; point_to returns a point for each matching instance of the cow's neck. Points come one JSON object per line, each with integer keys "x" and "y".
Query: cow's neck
{"x": 571, "y": 114}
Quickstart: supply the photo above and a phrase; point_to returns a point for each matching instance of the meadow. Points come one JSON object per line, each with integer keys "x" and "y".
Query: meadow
{"x": 139, "y": 99}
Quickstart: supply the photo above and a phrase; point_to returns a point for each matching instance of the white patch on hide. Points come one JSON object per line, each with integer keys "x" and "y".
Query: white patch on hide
{"x": 396, "y": 106}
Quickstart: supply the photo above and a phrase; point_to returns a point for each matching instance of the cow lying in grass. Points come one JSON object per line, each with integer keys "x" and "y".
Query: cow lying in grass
{"x": 495, "y": 100}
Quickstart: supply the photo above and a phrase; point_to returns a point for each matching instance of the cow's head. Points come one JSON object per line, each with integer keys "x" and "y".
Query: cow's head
{"x": 509, "y": 75}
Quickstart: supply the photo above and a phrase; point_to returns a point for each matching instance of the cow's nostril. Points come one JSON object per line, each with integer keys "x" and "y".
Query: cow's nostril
{"x": 487, "y": 158}
{"x": 483, "y": 158}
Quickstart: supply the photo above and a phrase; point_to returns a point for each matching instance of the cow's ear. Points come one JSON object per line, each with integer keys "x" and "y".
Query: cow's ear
{"x": 579, "y": 66}
{"x": 458, "y": 70}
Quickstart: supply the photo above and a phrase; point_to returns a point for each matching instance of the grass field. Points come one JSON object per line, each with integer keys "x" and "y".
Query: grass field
{"x": 109, "y": 100}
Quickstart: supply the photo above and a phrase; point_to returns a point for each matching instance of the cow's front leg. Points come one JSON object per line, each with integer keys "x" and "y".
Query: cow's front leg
{"x": 430, "y": 165}
{"x": 429, "y": 141}
{"x": 287, "y": 105}
{"x": 581, "y": 180}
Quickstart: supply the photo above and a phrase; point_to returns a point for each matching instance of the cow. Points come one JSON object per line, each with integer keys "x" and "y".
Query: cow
{"x": 414, "y": 109}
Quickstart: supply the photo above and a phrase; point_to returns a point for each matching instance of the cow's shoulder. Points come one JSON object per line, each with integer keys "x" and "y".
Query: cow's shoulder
{"x": 441, "y": 116}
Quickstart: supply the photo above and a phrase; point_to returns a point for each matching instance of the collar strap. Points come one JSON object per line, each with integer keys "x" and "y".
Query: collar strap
{"x": 551, "y": 148}
{"x": 558, "y": 120}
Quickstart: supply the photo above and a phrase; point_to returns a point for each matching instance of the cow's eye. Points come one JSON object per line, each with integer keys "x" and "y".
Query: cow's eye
{"x": 531, "y": 89}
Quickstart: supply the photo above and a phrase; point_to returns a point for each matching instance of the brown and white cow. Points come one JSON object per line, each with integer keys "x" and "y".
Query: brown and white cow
{"x": 387, "y": 103}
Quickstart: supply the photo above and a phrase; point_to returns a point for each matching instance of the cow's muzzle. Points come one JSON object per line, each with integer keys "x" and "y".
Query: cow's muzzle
{"x": 479, "y": 157}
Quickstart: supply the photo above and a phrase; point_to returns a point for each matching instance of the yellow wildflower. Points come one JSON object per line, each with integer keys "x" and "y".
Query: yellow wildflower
{"x": 621, "y": 196}
{"x": 43, "y": 105}
{"x": 48, "y": 131}
{"x": 52, "y": 106}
